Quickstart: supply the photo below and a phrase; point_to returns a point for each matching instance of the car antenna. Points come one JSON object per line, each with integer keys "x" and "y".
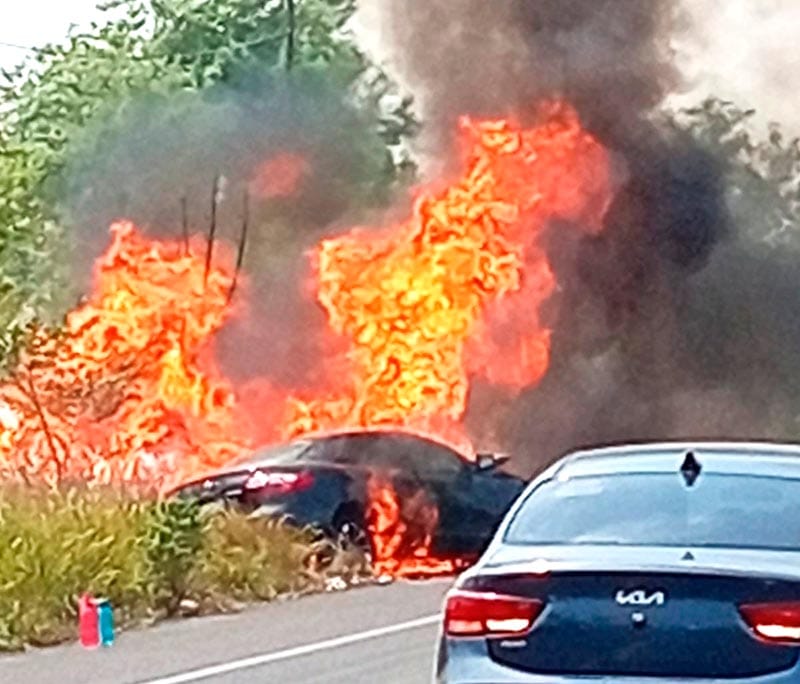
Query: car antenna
{"x": 690, "y": 468}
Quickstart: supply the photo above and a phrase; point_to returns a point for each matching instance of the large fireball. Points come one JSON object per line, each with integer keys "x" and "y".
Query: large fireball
{"x": 130, "y": 390}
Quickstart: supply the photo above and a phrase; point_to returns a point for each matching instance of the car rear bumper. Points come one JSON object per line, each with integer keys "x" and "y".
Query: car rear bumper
{"x": 467, "y": 661}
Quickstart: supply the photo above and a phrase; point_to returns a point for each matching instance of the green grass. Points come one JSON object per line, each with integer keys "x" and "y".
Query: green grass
{"x": 146, "y": 557}
{"x": 240, "y": 559}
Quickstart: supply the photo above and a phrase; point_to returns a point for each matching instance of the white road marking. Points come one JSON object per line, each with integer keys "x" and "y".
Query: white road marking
{"x": 267, "y": 658}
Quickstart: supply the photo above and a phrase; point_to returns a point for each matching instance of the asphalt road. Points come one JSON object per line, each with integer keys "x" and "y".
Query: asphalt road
{"x": 367, "y": 635}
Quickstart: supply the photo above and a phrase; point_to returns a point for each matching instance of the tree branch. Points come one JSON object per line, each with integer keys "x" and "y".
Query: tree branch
{"x": 33, "y": 396}
{"x": 212, "y": 228}
{"x": 185, "y": 225}
{"x": 290, "y": 34}
{"x": 242, "y": 243}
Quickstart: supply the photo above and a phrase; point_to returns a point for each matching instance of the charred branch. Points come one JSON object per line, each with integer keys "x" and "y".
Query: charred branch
{"x": 212, "y": 227}
{"x": 185, "y": 225}
{"x": 242, "y": 243}
{"x": 290, "y": 34}
{"x": 28, "y": 388}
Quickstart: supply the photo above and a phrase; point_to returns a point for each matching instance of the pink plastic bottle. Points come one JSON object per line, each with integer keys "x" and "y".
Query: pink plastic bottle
{"x": 88, "y": 622}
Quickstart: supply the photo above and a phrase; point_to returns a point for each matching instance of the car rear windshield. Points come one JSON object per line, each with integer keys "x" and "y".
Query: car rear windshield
{"x": 283, "y": 453}
{"x": 659, "y": 509}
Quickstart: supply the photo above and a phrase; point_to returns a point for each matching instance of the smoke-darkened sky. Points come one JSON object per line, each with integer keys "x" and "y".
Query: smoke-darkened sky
{"x": 744, "y": 50}
{"x": 678, "y": 321}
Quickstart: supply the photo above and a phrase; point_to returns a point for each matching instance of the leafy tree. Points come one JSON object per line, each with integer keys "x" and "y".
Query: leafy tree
{"x": 154, "y": 49}
{"x": 740, "y": 314}
{"x": 763, "y": 176}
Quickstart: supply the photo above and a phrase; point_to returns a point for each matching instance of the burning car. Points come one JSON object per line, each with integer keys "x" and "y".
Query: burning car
{"x": 409, "y": 497}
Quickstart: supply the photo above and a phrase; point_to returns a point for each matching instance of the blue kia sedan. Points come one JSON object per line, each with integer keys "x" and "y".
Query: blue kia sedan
{"x": 658, "y": 563}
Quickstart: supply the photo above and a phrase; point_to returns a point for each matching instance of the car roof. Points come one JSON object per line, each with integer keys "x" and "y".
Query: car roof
{"x": 266, "y": 454}
{"x": 368, "y": 433}
{"x": 378, "y": 434}
{"x": 745, "y": 458}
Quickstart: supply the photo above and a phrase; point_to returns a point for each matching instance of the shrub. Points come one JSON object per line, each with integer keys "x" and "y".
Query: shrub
{"x": 55, "y": 546}
{"x": 252, "y": 558}
{"x": 173, "y": 541}
{"x": 144, "y": 556}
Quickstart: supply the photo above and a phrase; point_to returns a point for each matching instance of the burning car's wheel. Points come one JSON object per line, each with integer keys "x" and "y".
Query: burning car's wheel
{"x": 350, "y": 529}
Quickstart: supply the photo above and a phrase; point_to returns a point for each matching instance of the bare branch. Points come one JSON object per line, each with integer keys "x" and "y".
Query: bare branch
{"x": 33, "y": 396}
{"x": 185, "y": 225}
{"x": 290, "y": 34}
{"x": 242, "y": 243}
{"x": 212, "y": 228}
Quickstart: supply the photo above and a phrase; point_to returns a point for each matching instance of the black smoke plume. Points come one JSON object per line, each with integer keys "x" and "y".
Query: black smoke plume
{"x": 674, "y": 322}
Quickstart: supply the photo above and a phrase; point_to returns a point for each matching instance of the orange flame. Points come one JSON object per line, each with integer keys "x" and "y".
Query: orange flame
{"x": 402, "y": 532}
{"x": 130, "y": 391}
{"x": 279, "y": 176}
{"x": 126, "y": 391}
{"x": 456, "y": 291}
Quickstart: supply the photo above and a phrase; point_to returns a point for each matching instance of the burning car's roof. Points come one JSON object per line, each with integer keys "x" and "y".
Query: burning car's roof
{"x": 298, "y": 450}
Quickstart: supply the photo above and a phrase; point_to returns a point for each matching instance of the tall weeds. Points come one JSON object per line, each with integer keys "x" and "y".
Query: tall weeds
{"x": 146, "y": 557}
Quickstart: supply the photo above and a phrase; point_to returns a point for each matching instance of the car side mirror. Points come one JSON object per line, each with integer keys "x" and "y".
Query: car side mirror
{"x": 489, "y": 461}
{"x": 484, "y": 462}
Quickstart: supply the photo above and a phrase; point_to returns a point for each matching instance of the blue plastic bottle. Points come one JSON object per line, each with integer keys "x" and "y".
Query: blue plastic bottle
{"x": 105, "y": 622}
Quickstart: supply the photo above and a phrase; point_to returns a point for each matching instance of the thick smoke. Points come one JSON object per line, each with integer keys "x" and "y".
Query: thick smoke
{"x": 142, "y": 163}
{"x": 673, "y": 323}
{"x": 611, "y": 59}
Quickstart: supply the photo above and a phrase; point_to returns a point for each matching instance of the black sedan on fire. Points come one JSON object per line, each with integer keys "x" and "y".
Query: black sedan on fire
{"x": 324, "y": 482}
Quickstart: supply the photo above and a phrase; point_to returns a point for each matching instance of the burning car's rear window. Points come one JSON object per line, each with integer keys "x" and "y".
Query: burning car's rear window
{"x": 659, "y": 510}
{"x": 285, "y": 453}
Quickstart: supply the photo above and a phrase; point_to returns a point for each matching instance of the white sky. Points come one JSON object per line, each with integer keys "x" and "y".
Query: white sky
{"x": 36, "y": 22}
{"x": 746, "y": 50}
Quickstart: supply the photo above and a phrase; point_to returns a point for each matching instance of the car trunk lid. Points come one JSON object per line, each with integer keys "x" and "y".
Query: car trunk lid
{"x": 607, "y": 617}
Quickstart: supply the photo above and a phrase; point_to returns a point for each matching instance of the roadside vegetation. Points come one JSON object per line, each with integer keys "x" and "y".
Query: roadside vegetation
{"x": 71, "y": 124}
{"x": 74, "y": 116}
{"x": 72, "y": 119}
{"x": 152, "y": 560}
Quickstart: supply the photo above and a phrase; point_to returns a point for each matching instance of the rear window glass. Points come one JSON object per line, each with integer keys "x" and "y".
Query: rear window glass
{"x": 284, "y": 453}
{"x": 658, "y": 509}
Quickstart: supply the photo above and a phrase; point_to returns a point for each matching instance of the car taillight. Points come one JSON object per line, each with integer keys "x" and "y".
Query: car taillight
{"x": 278, "y": 481}
{"x": 774, "y": 621}
{"x": 477, "y": 614}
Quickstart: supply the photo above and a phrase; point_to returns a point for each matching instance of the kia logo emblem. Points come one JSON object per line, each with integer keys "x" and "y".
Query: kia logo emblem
{"x": 640, "y": 597}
